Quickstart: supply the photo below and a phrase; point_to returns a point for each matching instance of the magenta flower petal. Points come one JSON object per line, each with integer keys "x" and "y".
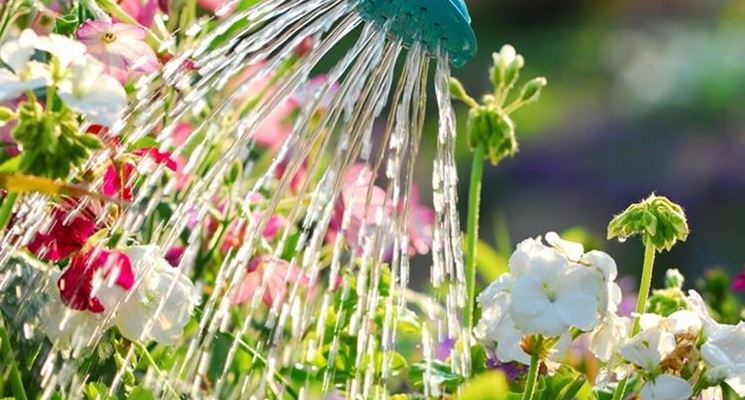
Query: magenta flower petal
{"x": 738, "y": 284}
{"x": 76, "y": 282}
{"x": 63, "y": 237}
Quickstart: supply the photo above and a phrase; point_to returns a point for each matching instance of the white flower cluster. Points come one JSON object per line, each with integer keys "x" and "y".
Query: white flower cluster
{"x": 78, "y": 77}
{"x": 672, "y": 351}
{"x": 156, "y": 308}
{"x": 555, "y": 291}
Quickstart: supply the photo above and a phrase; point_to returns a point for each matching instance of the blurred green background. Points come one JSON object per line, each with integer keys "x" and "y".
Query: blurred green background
{"x": 644, "y": 96}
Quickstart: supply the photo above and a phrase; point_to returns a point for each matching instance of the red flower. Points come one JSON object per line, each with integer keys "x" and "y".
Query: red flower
{"x": 117, "y": 180}
{"x": 65, "y": 236}
{"x": 76, "y": 285}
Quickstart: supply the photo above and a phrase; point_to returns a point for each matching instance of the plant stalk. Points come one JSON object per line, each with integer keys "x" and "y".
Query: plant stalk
{"x": 9, "y": 359}
{"x": 641, "y": 305}
{"x": 472, "y": 229}
{"x": 533, "y": 370}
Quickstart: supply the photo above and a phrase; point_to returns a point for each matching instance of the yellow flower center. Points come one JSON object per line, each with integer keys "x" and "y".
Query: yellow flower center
{"x": 108, "y": 37}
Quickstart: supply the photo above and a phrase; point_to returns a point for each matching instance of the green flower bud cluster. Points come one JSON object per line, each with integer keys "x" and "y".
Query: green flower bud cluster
{"x": 489, "y": 123}
{"x": 659, "y": 221}
{"x": 51, "y": 141}
{"x": 671, "y": 299}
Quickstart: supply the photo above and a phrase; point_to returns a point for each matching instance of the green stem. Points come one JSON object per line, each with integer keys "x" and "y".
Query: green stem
{"x": 645, "y": 284}
{"x": 262, "y": 362}
{"x": 533, "y": 370}
{"x": 620, "y": 389}
{"x": 472, "y": 230}
{"x": 149, "y": 358}
{"x": 641, "y": 305}
{"x": 6, "y": 209}
{"x": 8, "y": 359}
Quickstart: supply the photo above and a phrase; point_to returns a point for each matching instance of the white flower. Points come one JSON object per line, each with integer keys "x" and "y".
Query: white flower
{"x": 649, "y": 348}
{"x": 607, "y": 338}
{"x": 552, "y": 292}
{"x": 24, "y": 74}
{"x": 724, "y": 352}
{"x": 666, "y": 387}
{"x": 88, "y": 90}
{"x": 161, "y": 302}
{"x": 64, "y": 49}
{"x": 548, "y": 291}
{"x": 70, "y": 330}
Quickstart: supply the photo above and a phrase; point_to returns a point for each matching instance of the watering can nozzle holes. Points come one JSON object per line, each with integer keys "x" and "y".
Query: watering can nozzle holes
{"x": 431, "y": 22}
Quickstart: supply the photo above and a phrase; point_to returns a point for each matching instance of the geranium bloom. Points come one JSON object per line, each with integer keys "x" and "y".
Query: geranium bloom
{"x": 87, "y": 90}
{"x": 66, "y": 235}
{"x": 161, "y": 302}
{"x": 81, "y": 280}
{"x": 274, "y": 275}
{"x": 121, "y": 47}
{"x": 24, "y": 74}
{"x": 724, "y": 352}
{"x": 549, "y": 290}
{"x": 666, "y": 387}
{"x": 354, "y": 215}
{"x": 64, "y": 326}
{"x": 552, "y": 292}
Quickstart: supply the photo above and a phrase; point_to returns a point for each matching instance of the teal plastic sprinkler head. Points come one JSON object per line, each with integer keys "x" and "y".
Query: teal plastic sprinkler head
{"x": 429, "y": 21}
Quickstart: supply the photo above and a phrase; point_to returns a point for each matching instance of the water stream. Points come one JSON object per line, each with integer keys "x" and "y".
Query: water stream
{"x": 375, "y": 98}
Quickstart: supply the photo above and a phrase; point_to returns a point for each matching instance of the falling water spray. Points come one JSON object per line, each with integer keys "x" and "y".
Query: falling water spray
{"x": 377, "y": 56}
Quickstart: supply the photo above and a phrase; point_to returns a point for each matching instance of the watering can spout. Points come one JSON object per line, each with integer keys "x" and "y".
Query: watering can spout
{"x": 461, "y": 6}
{"x": 434, "y": 23}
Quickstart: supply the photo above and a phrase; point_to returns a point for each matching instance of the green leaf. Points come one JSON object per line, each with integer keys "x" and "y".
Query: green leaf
{"x": 140, "y": 393}
{"x": 438, "y": 372}
{"x": 144, "y": 143}
{"x": 489, "y": 386}
{"x": 11, "y": 166}
{"x": 97, "y": 391}
{"x": 478, "y": 359}
{"x": 563, "y": 385}
{"x": 489, "y": 263}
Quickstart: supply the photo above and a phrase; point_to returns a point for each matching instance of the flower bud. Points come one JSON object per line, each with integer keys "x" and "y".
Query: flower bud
{"x": 6, "y": 114}
{"x": 531, "y": 91}
{"x": 458, "y": 91}
{"x": 659, "y": 221}
{"x": 507, "y": 66}
{"x": 674, "y": 279}
{"x": 493, "y": 128}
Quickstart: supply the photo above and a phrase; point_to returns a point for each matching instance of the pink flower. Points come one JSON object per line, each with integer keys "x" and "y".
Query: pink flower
{"x": 278, "y": 125}
{"x": 362, "y": 214}
{"x": 298, "y": 179}
{"x": 274, "y": 275}
{"x": 221, "y": 8}
{"x": 43, "y": 22}
{"x": 738, "y": 284}
{"x": 421, "y": 224}
{"x": 76, "y": 284}
{"x": 121, "y": 47}
{"x": 64, "y": 236}
{"x": 143, "y": 11}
